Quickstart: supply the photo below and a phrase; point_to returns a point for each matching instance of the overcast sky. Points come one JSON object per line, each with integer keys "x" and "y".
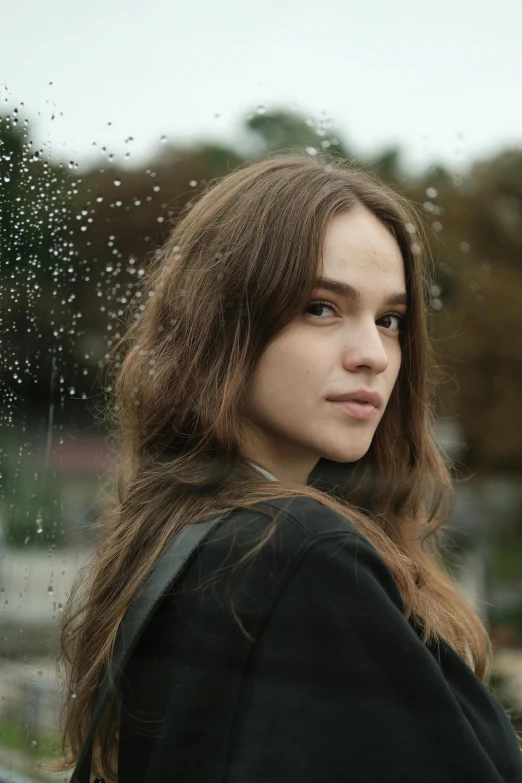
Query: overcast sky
{"x": 443, "y": 80}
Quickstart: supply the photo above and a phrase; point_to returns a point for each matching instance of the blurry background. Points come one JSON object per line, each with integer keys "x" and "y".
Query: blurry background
{"x": 113, "y": 115}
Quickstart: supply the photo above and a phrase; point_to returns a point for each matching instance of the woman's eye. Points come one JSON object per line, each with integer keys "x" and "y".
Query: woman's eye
{"x": 314, "y": 308}
{"x": 396, "y": 318}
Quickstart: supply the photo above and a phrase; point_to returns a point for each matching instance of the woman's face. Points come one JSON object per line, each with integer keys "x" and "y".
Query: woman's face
{"x": 345, "y": 342}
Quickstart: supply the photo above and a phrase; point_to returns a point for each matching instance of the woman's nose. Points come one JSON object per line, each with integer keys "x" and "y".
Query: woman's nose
{"x": 364, "y": 348}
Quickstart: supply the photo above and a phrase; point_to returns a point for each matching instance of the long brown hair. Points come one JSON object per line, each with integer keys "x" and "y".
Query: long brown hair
{"x": 238, "y": 267}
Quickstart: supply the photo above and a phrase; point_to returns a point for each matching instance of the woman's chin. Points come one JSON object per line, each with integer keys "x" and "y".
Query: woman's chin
{"x": 343, "y": 453}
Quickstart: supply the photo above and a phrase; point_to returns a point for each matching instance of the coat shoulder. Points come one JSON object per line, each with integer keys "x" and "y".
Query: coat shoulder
{"x": 271, "y": 539}
{"x": 299, "y": 520}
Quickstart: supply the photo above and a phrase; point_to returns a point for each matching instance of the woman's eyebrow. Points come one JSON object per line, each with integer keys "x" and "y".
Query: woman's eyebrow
{"x": 349, "y": 292}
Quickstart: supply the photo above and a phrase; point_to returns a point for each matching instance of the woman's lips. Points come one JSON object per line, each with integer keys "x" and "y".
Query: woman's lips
{"x": 357, "y": 410}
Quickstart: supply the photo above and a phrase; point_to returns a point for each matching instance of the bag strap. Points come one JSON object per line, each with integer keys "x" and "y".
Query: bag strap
{"x": 167, "y": 570}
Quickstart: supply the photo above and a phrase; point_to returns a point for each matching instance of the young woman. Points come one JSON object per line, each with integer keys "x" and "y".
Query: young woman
{"x": 277, "y": 365}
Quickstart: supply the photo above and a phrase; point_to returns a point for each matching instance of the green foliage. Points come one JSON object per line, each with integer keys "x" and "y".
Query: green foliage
{"x": 505, "y": 558}
{"x": 35, "y": 299}
{"x": 282, "y": 131}
{"x": 37, "y": 747}
{"x": 34, "y": 517}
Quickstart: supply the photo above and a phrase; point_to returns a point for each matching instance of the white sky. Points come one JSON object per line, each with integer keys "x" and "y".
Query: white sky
{"x": 408, "y": 72}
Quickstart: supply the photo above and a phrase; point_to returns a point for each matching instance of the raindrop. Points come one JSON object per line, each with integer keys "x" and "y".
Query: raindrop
{"x": 117, "y": 182}
{"x": 311, "y": 151}
{"x": 193, "y": 183}
{"x": 261, "y": 109}
{"x": 39, "y": 522}
{"x": 99, "y": 199}
{"x": 465, "y": 247}
{"x": 436, "y": 304}
{"x": 163, "y": 139}
{"x": 432, "y": 192}
{"x": 50, "y": 590}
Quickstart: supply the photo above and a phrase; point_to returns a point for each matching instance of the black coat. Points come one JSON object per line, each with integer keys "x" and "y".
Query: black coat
{"x": 335, "y": 685}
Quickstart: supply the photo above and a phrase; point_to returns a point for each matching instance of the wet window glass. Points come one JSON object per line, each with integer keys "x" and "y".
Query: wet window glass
{"x": 112, "y": 123}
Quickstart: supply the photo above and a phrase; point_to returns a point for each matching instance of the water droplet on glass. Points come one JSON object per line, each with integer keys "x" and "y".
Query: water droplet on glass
{"x": 117, "y": 182}
{"x": 50, "y": 590}
{"x": 465, "y": 247}
{"x": 193, "y": 183}
{"x": 432, "y": 192}
{"x": 39, "y": 522}
{"x": 311, "y": 151}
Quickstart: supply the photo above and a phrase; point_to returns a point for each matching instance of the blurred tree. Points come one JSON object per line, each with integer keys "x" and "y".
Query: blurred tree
{"x": 35, "y": 300}
{"x": 388, "y": 165}
{"x": 283, "y": 131}
{"x": 474, "y": 227}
